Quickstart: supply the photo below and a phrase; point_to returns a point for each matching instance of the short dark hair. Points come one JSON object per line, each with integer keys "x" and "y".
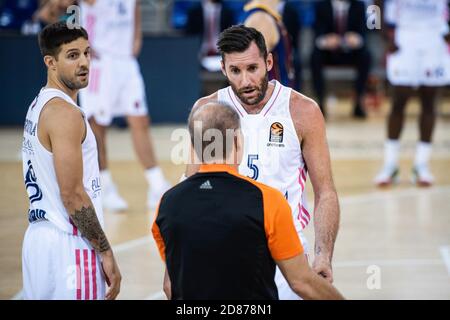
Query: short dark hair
{"x": 239, "y": 38}
{"x": 213, "y": 115}
{"x": 56, "y": 34}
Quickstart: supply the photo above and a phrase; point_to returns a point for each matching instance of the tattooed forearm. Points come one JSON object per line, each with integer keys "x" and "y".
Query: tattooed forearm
{"x": 87, "y": 222}
{"x": 318, "y": 250}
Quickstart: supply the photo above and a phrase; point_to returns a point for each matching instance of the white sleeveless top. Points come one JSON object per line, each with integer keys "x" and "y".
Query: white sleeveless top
{"x": 110, "y": 26}
{"x": 272, "y": 152}
{"x": 418, "y": 18}
{"x": 39, "y": 170}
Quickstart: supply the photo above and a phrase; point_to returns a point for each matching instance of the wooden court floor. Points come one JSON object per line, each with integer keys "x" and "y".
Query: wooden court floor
{"x": 392, "y": 243}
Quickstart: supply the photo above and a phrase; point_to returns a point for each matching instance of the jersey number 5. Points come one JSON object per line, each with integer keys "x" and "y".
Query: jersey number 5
{"x": 252, "y": 166}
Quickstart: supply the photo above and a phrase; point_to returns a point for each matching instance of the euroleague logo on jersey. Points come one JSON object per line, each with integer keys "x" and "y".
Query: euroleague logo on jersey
{"x": 276, "y": 135}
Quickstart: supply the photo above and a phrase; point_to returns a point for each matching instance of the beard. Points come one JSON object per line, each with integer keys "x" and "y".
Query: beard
{"x": 76, "y": 83}
{"x": 260, "y": 90}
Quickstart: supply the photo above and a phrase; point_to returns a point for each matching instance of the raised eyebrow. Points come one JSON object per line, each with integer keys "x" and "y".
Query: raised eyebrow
{"x": 73, "y": 50}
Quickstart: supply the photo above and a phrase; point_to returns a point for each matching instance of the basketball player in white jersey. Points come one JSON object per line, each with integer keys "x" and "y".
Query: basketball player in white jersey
{"x": 65, "y": 254}
{"x": 419, "y": 58}
{"x": 116, "y": 88}
{"x": 284, "y": 134}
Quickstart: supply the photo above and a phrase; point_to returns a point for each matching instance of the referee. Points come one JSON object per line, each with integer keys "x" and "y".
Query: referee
{"x": 222, "y": 234}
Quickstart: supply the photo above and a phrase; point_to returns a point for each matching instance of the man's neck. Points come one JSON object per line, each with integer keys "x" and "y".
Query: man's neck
{"x": 228, "y": 163}
{"x": 255, "y": 109}
{"x": 54, "y": 84}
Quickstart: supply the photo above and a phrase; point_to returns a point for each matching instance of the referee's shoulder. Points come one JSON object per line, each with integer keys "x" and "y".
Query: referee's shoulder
{"x": 268, "y": 192}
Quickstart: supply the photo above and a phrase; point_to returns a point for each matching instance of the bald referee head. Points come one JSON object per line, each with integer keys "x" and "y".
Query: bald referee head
{"x": 215, "y": 134}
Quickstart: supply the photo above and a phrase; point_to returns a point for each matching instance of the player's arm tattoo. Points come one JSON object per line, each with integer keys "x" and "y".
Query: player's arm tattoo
{"x": 87, "y": 222}
{"x": 318, "y": 250}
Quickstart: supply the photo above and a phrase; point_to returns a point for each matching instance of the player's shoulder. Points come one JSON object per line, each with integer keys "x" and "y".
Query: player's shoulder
{"x": 303, "y": 108}
{"x": 306, "y": 114}
{"x": 59, "y": 112}
{"x": 258, "y": 17}
{"x": 61, "y": 107}
{"x": 206, "y": 99}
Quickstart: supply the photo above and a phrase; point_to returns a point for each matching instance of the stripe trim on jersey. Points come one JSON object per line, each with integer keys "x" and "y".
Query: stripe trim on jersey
{"x": 78, "y": 272}
{"x": 94, "y": 274}
{"x": 86, "y": 274}
{"x": 74, "y": 228}
{"x": 303, "y": 215}
{"x": 273, "y": 102}
{"x": 235, "y": 106}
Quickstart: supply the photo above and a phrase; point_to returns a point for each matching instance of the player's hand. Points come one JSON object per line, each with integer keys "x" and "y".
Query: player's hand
{"x": 322, "y": 266}
{"x": 112, "y": 274}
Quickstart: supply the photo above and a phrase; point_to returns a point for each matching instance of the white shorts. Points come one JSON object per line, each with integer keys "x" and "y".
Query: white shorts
{"x": 284, "y": 290}
{"x": 422, "y": 60}
{"x": 59, "y": 266}
{"x": 116, "y": 88}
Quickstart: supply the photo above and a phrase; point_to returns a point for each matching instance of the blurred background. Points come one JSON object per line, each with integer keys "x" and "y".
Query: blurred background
{"x": 404, "y": 231}
{"x": 166, "y": 28}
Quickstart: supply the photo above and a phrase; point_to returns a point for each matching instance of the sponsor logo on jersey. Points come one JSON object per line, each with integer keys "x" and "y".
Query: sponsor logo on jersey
{"x": 276, "y": 135}
{"x": 96, "y": 184}
{"x": 30, "y": 127}
{"x": 276, "y": 132}
{"x": 36, "y": 214}
{"x": 27, "y": 146}
{"x": 34, "y": 192}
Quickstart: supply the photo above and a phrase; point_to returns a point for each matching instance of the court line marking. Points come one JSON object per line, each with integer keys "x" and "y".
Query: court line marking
{"x": 390, "y": 194}
{"x": 344, "y": 200}
{"x": 392, "y": 263}
{"x": 127, "y": 245}
{"x": 445, "y": 254}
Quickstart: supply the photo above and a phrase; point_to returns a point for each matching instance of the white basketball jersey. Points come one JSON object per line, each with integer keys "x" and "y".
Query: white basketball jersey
{"x": 272, "y": 152}
{"x": 39, "y": 170}
{"x": 418, "y": 16}
{"x": 110, "y": 26}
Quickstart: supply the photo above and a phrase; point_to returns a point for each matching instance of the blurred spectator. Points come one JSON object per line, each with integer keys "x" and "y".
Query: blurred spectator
{"x": 418, "y": 59}
{"x": 50, "y": 11}
{"x": 264, "y": 16}
{"x": 291, "y": 20}
{"x": 340, "y": 39}
{"x": 13, "y": 13}
{"x": 208, "y": 19}
{"x": 53, "y": 11}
